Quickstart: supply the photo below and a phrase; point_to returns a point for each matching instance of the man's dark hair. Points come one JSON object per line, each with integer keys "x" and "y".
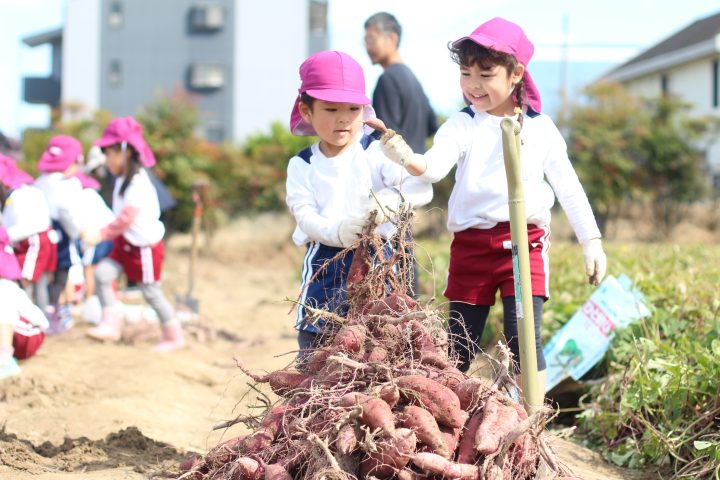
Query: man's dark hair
{"x": 386, "y": 23}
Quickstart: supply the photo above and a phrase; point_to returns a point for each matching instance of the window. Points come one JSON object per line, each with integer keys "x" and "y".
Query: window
{"x": 115, "y": 17}
{"x": 214, "y": 133}
{"x": 115, "y": 73}
{"x": 206, "y": 76}
{"x": 664, "y": 85}
{"x": 207, "y": 18}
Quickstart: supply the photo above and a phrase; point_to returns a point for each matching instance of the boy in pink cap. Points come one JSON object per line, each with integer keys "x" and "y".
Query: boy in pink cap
{"x": 329, "y": 184}
{"x": 26, "y": 217}
{"x": 496, "y": 82}
{"x": 137, "y": 233}
{"x": 58, "y": 167}
{"x": 22, "y": 324}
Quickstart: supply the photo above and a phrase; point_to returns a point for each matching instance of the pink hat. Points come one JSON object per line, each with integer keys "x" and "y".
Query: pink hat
{"x": 61, "y": 152}
{"x": 503, "y": 36}
{"x": 127, "y": 129}
{"x": 331, "y": 76}
{"x": 9, "y": 266}
{"x": 10, "y": 175}
{"x": 87, "y": 181}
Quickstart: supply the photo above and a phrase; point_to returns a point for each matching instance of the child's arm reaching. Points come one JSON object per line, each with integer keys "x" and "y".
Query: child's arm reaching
{"x": 396, "y": 149}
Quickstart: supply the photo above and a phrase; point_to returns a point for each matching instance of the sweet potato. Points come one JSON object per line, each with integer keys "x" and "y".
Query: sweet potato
{"x": 425, "y": 427}
{"x": 396, "y": 304}
{"x": 276, "y": 471}
{"x": 407, "y": 474}
{"x": 473, "y": 391}
{"x": 437, "y": 399}
{"x": 316, "y": 360}
{"x": 284, "y": 381}
{"x": 258, "y": 441}
{"x": 451, "y": 377}
{"x": 451, "y": 437}
{"x": 226, "y": 451}
{"x": 377, "y": 354}
{"x": 350, "y": 338}
{"x": 466, "y": 449}
{"x": 392, "y": 454}
{"x": 353, "y": 398}
{"x": 389, "y": 392}
{"x": 499, "y": 418}
{"x": 378, "y": 415}
{"x": 246, "y": 468}
{"x": 274, "y": 419}
{"x": 435, "y": 464}
{"x": 346, "y": 440}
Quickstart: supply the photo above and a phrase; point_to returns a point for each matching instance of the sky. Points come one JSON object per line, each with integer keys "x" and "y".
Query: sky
{"x": 598, "y": 35}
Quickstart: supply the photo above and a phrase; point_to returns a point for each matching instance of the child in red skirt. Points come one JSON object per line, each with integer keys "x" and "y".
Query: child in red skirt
{"x": 137, "y": 231}
{"x": 22, "y": 324}
{"x": 26, "y": 218}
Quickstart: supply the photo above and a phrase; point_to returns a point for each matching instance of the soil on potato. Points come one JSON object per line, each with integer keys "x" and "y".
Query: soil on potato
{"x": 87, "y": 410}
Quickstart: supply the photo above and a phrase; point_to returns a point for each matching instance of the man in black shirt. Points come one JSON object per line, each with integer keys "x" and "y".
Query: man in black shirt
{"x": 398, "y": 99}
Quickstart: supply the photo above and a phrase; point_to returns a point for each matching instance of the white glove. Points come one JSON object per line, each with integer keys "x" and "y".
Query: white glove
{"x": 350, "y": 230}
{"x": 595, "y": 260}
{"x": 395, "y": 148}
{"x": 386, "y": 203}
{"x": 95, "y": 158}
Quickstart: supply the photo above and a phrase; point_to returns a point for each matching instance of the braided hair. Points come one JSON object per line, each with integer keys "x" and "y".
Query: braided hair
{"x": 467, "y": 53}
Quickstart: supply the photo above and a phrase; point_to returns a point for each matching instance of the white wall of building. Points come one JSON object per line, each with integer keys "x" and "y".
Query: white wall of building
{"x": 81, "y": 71}
{"x": 270, "y": 44}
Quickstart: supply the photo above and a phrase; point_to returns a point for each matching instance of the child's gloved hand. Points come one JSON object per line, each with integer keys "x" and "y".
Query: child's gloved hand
{"x": 394, "y": 147}
{"x": 386, "y": 203}
{"x": 595, "y": 260}
{"x": 95, "y": 158}
{"x": 90, "y": 237}
{"x": 350, "y": 230}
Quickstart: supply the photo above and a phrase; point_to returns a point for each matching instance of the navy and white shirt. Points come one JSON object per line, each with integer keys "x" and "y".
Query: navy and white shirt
{"x": 321, "y": 193}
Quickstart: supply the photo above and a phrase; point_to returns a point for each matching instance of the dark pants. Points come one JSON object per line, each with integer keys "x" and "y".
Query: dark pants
{"x": 467, "y": 323}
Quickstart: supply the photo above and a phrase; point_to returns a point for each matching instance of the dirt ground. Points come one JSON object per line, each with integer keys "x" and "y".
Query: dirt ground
{"x": 85, "y": 410}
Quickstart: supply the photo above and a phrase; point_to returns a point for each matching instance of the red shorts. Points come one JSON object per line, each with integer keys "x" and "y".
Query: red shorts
{"x": 141, "y": 264}
{"x": 27, "y": 339}
{"x": 481, "y": 263}
{"x": 36, "y": 255}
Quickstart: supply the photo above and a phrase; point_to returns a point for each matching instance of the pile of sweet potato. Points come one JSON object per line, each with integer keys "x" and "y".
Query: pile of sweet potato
{"x": 381, "y": 398}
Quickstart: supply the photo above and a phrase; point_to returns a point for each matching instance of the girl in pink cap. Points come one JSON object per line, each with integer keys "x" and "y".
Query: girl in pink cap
{"x": 137, "y": 233}
{"x": 496, "y": 83}
{"x": 58, "y": 166}
{"x": 329, "y": 183}
{"x": 26, "y": 217}
{"x": 22, "y": 324}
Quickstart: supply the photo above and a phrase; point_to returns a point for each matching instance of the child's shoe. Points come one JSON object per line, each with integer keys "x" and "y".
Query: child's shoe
{"x": 60, "y": 318}
{"x": 9, "y": 368}
{"x": 172, "y": 338}
{"x": 110, "y": 328}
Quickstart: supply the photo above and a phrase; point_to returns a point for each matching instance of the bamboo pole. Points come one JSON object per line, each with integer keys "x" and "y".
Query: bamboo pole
{"x": 532, "y": 395}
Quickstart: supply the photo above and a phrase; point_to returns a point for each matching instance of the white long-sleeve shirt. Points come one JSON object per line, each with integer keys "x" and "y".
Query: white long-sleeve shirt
{"x": 473, "y": 141}
{"x": 322, "y": 191}
{"x": 146, "y": 228}
{"x": 64, "y": 199}
{"x": 25, "y": 213}
{"x": 15, "y": 303}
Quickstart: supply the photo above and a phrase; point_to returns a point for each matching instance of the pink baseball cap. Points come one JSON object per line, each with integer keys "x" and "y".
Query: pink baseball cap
{"x": 11, "y": 176}
{"x": 127, "y": 129}
{"x": 331, "y": 76}
{"x": 9, "y": 266}
{"x": 61, "y": 152}
{"x": 503, "y": 36}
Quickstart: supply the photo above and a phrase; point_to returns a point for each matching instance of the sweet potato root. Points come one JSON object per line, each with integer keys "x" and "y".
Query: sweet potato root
{"x": 499, "y": 418}
{"x": 276, "y": 471}
{"x": 247, "y": 468}
{"x": 392, "y": 454}
{"x": 437, "y": 465}
{"x": 425, "y": 427}
{"x": 437, "y": 399}
{"x": 466, "y": 449}
{"x": 473, "y": 391}
{"x": 346, "y": 440}
{"x": 377, "y": 414}
{"x": 350, "y": 338}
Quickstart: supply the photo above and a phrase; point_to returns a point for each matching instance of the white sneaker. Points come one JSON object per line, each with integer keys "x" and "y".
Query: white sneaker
{"x": 9, "y": 368}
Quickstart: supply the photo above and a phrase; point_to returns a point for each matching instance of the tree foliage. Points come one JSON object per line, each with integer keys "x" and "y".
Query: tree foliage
{"x": 626, "y": 149}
